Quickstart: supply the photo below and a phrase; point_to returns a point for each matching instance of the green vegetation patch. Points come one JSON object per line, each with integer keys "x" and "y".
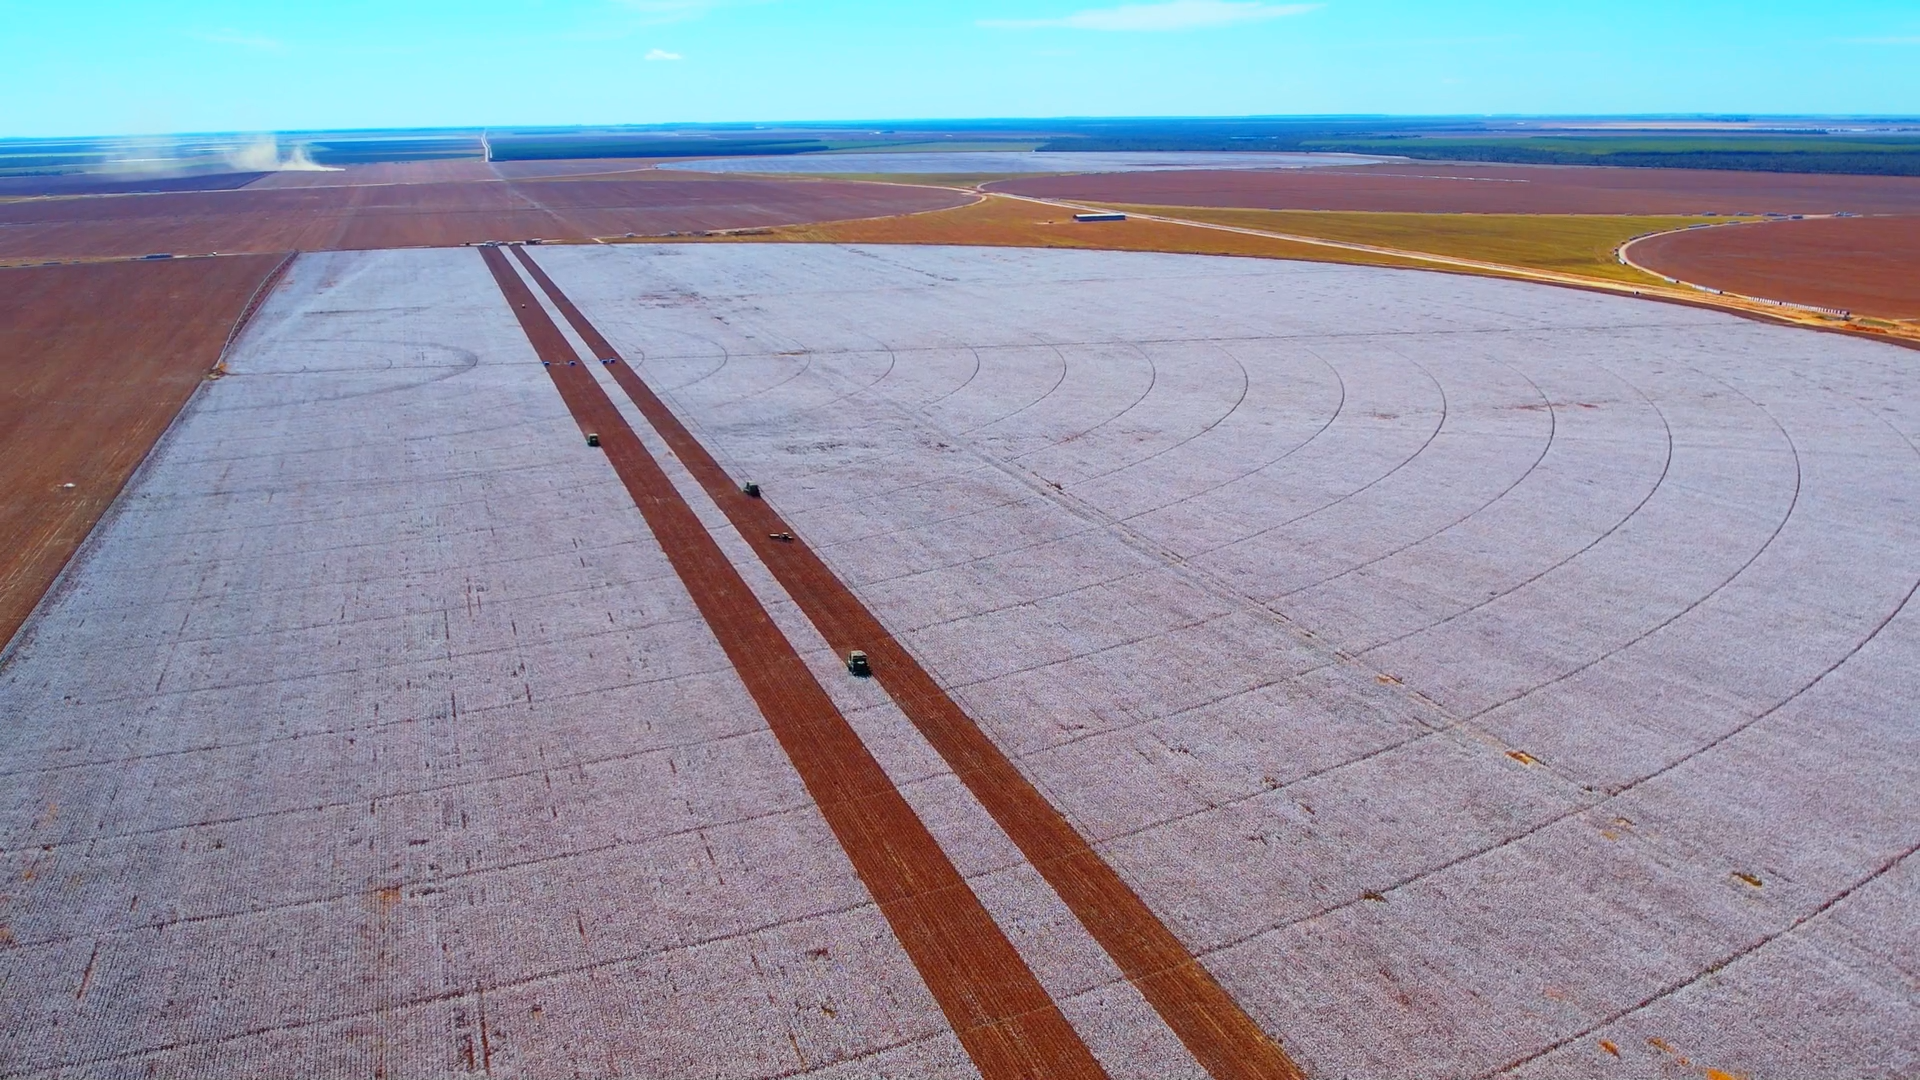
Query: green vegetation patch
{"x": 1889, "y": 156}
{"x": 1591, "y": 146}
{"x": 1874, "y": 152}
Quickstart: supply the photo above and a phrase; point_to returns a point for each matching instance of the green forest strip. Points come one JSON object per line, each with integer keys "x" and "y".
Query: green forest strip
{"x": 1889, "y": 156}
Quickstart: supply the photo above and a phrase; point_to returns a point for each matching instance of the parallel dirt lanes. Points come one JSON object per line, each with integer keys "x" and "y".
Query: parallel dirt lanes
{"x": 1207, "y": 1020}
{"x": 96, "y": 362}
{"x": 1481, "y": 679}
{"x": 1663, "y": 556}
{"x": 999, "y": 1010}
{"x": 376, "y": 733}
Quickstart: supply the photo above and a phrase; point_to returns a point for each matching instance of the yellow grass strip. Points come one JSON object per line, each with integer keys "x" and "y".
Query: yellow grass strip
{"x": 1565, "y": 243}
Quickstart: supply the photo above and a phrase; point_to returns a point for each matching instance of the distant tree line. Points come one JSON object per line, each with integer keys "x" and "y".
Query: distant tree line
{"x": 1893, "y": 162}
{"x": 361, "y": 151}
{"x": 549, "y": 148}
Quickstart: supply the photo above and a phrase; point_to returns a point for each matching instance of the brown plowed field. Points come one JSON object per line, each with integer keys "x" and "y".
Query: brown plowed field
{"x": 388, "y": 215}
{"x": 614, "y": 207}
{"x": 94, "y": 184}
{"x": 310, "y": 219}
{"x": 1869, "y": 266}
{"x": 565, "y": 167}
{"x": 1491, "y": 189}
{"x": 97, "y": 360}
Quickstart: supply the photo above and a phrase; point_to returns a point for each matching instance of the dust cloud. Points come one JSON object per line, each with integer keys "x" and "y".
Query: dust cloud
{"x": 175, "y": 156}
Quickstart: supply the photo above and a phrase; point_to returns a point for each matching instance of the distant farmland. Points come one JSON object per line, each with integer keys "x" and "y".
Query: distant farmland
{"x": 1889, "y": 156}
{"x": 711, "y": 642}
{"x": 1013, "y": 223}
{"x": 380, "y": 214}
{"x": 1574, "y": 244}
{"x": 1489, "y": 189}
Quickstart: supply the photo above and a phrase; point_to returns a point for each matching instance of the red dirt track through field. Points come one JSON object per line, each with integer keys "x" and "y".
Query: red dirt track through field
{"x": 999, "y": 1010}
{"x": 1200, "y": 1012}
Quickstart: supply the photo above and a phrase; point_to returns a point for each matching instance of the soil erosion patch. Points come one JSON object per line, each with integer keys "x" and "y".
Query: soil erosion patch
{"x": 96, "y": 359}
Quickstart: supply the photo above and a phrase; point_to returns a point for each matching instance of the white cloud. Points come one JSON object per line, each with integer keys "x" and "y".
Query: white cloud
{"x": 1172, "y": 15}
{"x": 662, "y": 54}
{"x": 241, "y": 39}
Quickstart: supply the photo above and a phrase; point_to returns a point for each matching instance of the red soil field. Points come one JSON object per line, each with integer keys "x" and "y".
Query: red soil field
{"x": 386, "y": 215}
{"x": 96, "y": 184}
{"x": 385, "y": 172}
{"x": 1869, "y": 266}
{"x": 1201, "y": 1013}
{"x": 564, "y": 167}
{"x": 267, "y": 220}
{"x": 1491, "y": 189}
{"x": 97, "y": 359}
{"x": 615, "y": 207}
{"x": 1000, "y": 1012}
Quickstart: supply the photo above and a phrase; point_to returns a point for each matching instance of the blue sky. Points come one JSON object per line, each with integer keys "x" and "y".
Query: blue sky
{"x": 85, "y": 67}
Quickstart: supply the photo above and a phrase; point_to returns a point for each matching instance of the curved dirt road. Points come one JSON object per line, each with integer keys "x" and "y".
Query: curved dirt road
{"x": 1865, "y": 265}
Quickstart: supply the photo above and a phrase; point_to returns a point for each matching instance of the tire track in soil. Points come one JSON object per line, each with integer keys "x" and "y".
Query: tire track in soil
{"x": 1219, "y": 1034}
{"x": 1008, "y": 1023}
